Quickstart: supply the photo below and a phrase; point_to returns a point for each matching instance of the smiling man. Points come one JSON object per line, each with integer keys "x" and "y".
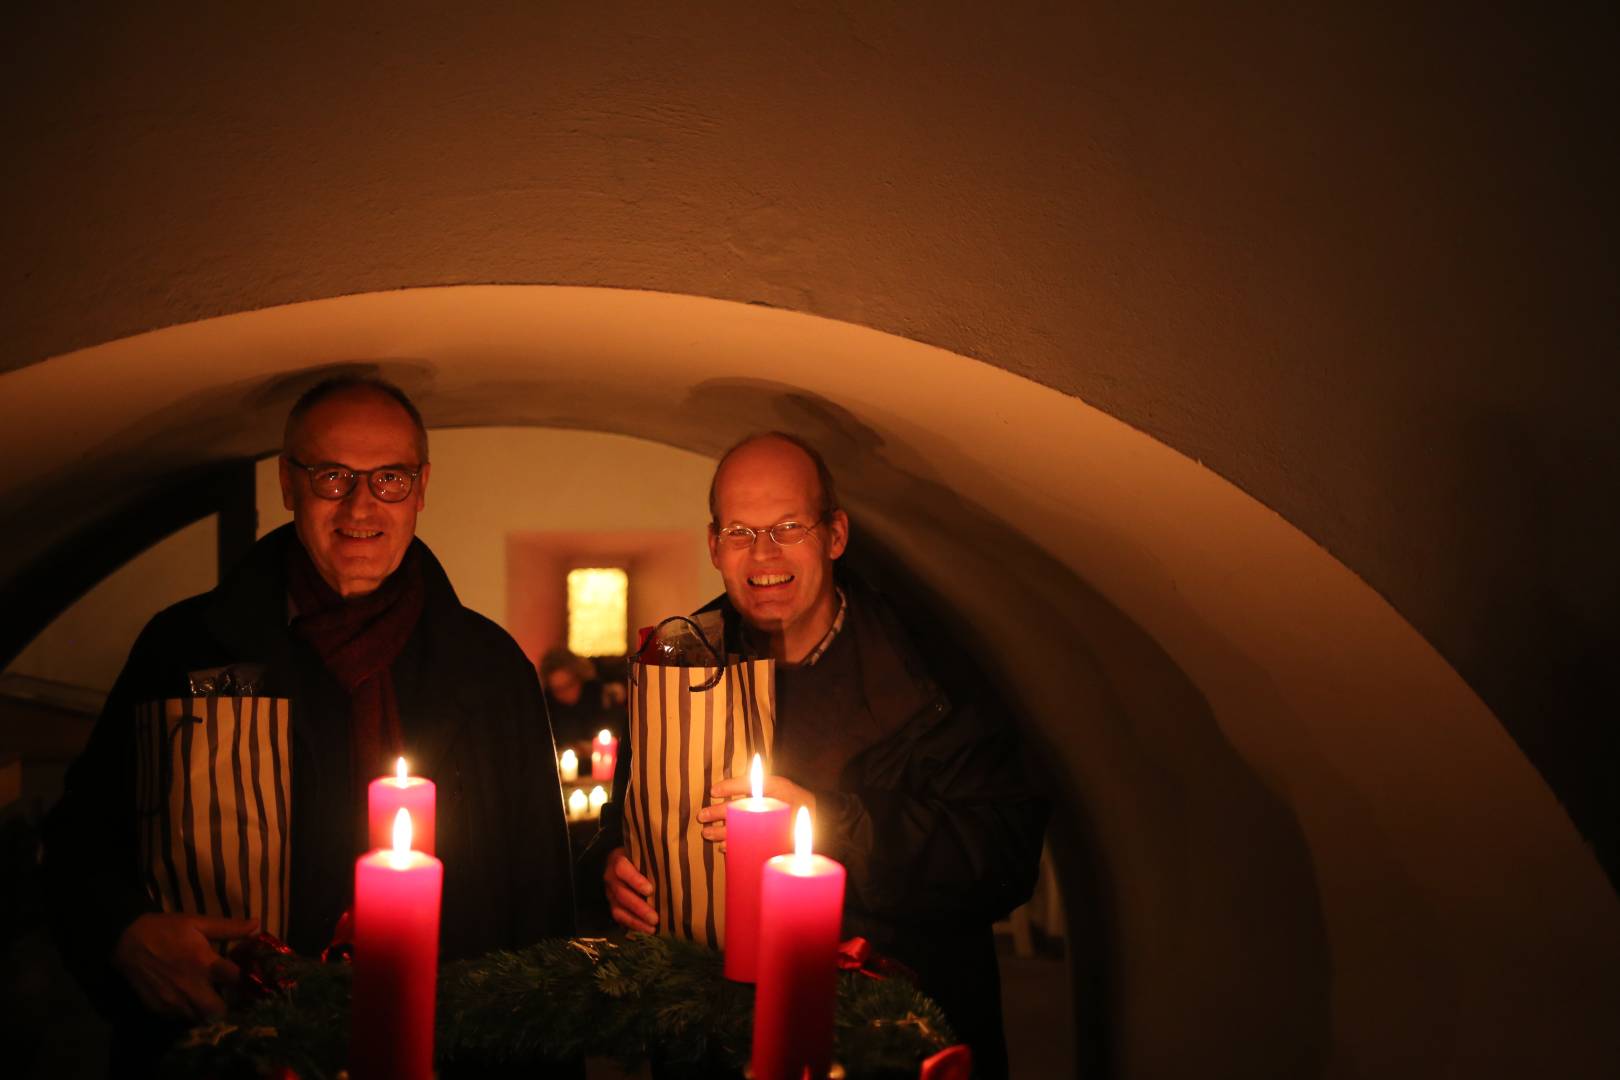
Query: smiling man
{"x": 348, "y": 623}
{"x": 354, "y": 542}
{"x": 920, "y": 792}
{"x": 779, "y": 574}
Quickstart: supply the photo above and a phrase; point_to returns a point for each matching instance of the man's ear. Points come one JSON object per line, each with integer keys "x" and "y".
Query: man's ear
{"x": 714, "y": 546}
{"x": 421, "y": 486}
{"x": 837, "y": 533}
{"x": 286, "y": 482}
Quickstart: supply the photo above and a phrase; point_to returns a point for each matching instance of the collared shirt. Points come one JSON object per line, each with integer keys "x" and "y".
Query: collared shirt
{"x": 832, "y": 631}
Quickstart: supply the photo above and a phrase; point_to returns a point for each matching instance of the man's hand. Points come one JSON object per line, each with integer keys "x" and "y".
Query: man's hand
{"x": 776, "y": 787}
{"x": 171, "y": 964}
{"x": 628, "y": 894}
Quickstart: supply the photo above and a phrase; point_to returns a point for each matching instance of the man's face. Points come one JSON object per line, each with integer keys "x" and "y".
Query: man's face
{"x": 563, "y": 686}
{"x": 356, "y": 541}
{"x": 785, "y": 592}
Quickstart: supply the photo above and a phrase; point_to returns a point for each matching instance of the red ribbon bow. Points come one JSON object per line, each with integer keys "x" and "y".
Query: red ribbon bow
{"x": 857, "y": 955}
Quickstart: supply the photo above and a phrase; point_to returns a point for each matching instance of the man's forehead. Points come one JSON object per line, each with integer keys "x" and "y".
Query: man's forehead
{"x": 371, "y": 426}
{"x": 774, "y": 478}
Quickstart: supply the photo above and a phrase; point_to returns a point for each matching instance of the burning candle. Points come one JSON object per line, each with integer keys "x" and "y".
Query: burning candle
{"x": 578, "y": 803}
{"x": 396, "y": 960}
{"x": 568, "y": 766}
{"x": 756, "y": 829}
{"x": 598, "y": 800}
{"x": 388, "y": 795}
{"x": 801, "y": 900}
{"x": 604, "y": 755}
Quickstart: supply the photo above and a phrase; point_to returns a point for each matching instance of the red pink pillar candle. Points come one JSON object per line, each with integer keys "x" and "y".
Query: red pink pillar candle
{"x": 604, "y": 755}
{"x": 801, "y": 901}
{"x": 756, "y": 829}
{"x": 396, "y": 960}
{"x": 388, "y": 795}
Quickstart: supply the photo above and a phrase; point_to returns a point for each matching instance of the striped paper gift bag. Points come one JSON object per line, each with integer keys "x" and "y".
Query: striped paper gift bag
{"x": 214, "y": 786}
{"x": 683, "y": 739}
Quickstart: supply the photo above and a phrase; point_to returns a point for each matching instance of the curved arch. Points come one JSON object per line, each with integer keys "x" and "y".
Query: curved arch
{"x": 1294, "y": 800}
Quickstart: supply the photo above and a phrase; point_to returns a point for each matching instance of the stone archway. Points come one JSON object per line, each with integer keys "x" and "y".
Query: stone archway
{"x": 1258, "y": 748}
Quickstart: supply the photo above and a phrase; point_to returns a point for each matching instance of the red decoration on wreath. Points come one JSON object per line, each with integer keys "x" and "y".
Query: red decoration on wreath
{"x": 260, "y": 975}
{"x": 857, "y": 955}
{"x": 951, "y": 1063}
{"x": 341, "y": 950}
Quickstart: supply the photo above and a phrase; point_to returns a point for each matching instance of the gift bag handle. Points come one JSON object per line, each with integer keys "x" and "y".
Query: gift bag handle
{"x": 719, "y": 664}
{"x": 165, "y": 776}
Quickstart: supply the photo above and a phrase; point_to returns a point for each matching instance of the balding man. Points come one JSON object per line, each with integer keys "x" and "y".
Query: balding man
{"x": 348, "y": 618}
{"x": 921, "y": 794}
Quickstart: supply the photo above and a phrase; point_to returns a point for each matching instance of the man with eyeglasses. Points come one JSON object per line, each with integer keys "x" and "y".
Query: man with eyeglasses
{"x": 350, "y": 619}
{"x": 921, "y": 793}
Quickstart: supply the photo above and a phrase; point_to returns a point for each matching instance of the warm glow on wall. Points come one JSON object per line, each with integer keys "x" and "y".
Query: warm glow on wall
{"x": 597, "y": 605}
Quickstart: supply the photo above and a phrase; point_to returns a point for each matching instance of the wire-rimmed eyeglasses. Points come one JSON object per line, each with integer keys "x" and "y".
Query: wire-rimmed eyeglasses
{"x": 390, "y": 483}
{"x": 783, "y": 534}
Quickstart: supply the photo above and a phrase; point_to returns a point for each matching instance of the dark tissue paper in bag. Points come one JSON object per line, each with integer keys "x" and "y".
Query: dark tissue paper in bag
{"x": 234, "y": 680}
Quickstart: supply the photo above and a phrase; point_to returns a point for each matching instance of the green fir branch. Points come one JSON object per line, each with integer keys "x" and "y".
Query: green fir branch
{"x": 561, "y": 1000}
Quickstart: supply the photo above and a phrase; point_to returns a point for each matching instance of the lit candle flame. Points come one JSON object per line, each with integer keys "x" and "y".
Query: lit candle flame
{"x": 569, "y": 760}
{"x": 598, "y": 799}
{"x": 577, "y": 803}
{"x": 399, "y": 770}
{"x": 756, "y": 777}
{"x": 801, "y": 835}
{"x": 402, "y": 831}
{"x": 605, "y": 737}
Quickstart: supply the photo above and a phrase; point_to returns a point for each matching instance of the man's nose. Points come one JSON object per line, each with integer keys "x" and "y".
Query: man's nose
{"x": 360, "y": 497}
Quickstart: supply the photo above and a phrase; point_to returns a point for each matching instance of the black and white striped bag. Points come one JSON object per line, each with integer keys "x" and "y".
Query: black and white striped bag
{"x": 214, "y": 788}
{"x": 690, "y": 727}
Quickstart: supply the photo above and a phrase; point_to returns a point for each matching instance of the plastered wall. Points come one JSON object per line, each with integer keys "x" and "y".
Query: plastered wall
{"x": 86, "y": 647}
{"x": 1339, "y": 742}
{"x": 1357, "y": 260}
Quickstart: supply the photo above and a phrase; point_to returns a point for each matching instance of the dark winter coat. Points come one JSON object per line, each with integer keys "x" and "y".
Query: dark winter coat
{"x": 472, "y": 720}
{"x": 931, "y": 813}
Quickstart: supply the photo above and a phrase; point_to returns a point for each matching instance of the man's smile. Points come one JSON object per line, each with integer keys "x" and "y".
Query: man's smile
{"x": 766, "y": 581}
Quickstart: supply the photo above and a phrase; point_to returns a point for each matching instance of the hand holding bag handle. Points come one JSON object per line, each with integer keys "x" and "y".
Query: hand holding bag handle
{"x": 680, "y": 745}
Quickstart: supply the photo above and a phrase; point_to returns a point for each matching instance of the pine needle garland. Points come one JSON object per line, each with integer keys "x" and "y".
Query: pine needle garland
{"x": 561, "y": 1000}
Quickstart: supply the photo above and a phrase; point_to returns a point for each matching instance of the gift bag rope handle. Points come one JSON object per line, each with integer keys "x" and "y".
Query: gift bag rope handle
{"x": 719, "y": 665}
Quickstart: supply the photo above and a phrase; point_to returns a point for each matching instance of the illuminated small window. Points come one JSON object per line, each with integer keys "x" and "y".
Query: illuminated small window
{"x": 597, "y": 604}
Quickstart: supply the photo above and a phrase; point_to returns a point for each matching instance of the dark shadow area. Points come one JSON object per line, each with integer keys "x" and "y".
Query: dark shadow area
{"x": 48, "y": 1027}
{"x": 967, "y": 672}
{"x": 1559, "y": 699}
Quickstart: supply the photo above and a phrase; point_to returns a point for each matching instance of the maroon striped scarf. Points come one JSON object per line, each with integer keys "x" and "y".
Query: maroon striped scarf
{"x": 358, "y": 641}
